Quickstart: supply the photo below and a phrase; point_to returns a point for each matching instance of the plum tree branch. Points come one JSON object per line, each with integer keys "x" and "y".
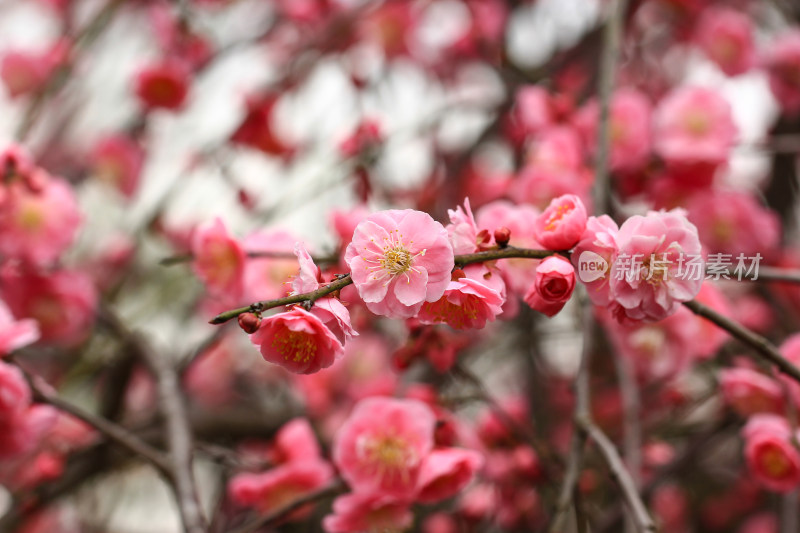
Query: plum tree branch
{"x": 345, "y": 280}
{"x": 641, "y": 516}
{"x": 761, "y": 345}
{"x": 108, "y": 429}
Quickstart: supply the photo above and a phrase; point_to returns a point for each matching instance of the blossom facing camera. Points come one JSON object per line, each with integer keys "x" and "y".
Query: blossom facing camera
{"x": 561, "y": 225}
{"x": 553, "y": 286}
{"x": 164, "y": 85}
{"x": 399, "y": 259}
{"x": 770, "y": 454}
{"x": 380, "y": 448}
{"x": 658, "y": 266}
{"x": 298, "y": 341}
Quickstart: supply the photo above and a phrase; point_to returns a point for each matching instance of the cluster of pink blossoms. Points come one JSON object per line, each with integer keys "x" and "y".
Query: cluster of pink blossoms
{"x": 387, "y": 453}
{"x": 402, "y": 264}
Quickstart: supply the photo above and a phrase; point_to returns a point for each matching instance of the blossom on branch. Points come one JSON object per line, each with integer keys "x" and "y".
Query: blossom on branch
{"x": 399, "y": 260}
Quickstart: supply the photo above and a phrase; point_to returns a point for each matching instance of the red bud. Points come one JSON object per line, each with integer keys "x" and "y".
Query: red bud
{"x": 502, "y": 236}
{"x": 249, "y": 322}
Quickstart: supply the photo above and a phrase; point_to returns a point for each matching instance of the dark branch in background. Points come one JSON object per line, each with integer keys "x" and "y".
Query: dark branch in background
{"x": 176, "y": 421}
{"x": 641, "y": 517}
{"x": 761, "y": 345}
{"x": 179, "y": 438}
{"x": 582, "y": 410}
{"x": 612, "y": 37}
{"x": 108, "y": 429}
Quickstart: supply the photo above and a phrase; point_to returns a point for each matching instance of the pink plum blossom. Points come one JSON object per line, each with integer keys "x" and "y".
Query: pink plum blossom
{"x": 733, "y": 222}
{"x": 463, "y": 230}
{"x": 749, "y": 392}
{"x": 279, "y": 486}
{"x": 593, "y": 256}
{"x": 15, "y": 334}
{"x": 382, "y": 445}
{"x": 163, "y": 85}
{"x": 398, "y": 261}
{"x": 658, "y": 350}
{"x": 329, "y": 309}
{"x": 469, "y": 301}
{"x": 770, "y": 454}
{"x": 218, "y": 259}
{"x": 118, "y": 160}
{"x": 63, "y": 303}
{"x": 298, "y": 341}
{"x": 555, "y": 281}
{"x": 295, "y": 441}
{"x": 726, "y": 37}
{"x": 38, "y": 226}
{"x": 694, "y": 130}
{"x": 368, "y": 513}
{"x": 631, "y": 142}
{"x": 15, "y": 394}
{"x": 782, "y": 63}
{"x": 651, "y": 276}
{"x": 445, "y": 472}
{"x": 561, "y": 225}
{"x": 266, "y": 278}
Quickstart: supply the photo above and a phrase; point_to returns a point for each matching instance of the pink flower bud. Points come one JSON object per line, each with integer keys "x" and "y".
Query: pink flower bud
{"x": 554, "y": 283}
{"x": 561, "y": 225}
{"x": 502, "y": 236}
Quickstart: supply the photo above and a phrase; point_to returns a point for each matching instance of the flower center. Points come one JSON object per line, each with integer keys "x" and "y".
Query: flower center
{"x": 396, "y": 260}
{"x": 298, "y": 345}
{"x": 697, "y": 123}
{"x": 775, "y": 463}
{"x": 389, "y": 455}
{"x": 657, "y": 269}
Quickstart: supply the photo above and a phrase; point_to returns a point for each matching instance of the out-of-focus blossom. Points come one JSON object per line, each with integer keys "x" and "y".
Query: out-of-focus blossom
{"x": 163, "y": 85}
{"x": 726, "y": 37}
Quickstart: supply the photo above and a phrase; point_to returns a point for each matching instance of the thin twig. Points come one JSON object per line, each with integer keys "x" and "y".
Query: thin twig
{"x": 279, "y": 514}
{"x": 641, "y": 516}
{"x": 761, "y": 345}
{"x": 345, "y": 280}
{"x": 632, "y": 434}
{"x": 612, "y": 36}
{"x": 582, "y": 410}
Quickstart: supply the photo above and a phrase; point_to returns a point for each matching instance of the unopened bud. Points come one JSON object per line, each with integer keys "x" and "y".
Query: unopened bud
{"x": 457, "y": 274}
{"x": 502, "y": 236}
{"x": 249, "y": 322}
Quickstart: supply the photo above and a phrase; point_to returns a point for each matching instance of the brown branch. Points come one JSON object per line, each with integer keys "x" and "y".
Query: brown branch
{"x": 582, "y": 411}
{"x": 178, "y": 429}
{"x": 110, "y": 430}
{"x": 760, "y": 344}
{"x": 343, "y": 281}
{"x": 276, "y": 516}
{"x": 612, "y": 35}
{"x": 179, "y": 438}
{"x": 641, "y": 516}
